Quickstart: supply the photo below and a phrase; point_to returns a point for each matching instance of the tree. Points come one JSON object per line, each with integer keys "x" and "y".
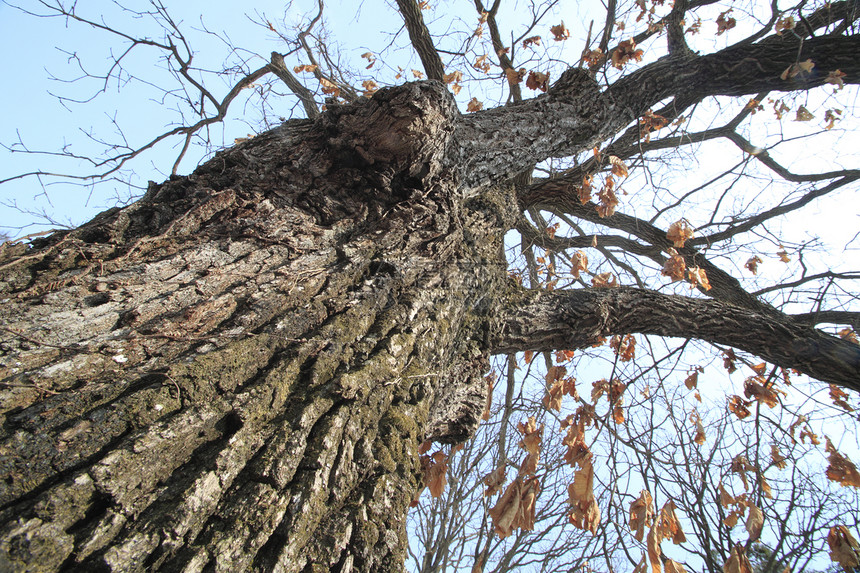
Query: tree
{"x": 235, "y": 372}
{"x": 658, "y": 448}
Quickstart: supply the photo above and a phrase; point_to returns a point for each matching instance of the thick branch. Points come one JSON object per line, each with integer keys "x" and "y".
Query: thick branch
{"x": 830, "y": 317}
{"x": 503, "y": 141}
{"x": 307, "y": 98}
{"x": 740, "y": 70}
{"x": 547, "y": 320}
{"x": 421, "y": 41}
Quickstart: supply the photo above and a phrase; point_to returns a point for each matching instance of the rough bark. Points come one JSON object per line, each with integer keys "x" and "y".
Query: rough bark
{"x": 548, "y": 320}
{"x": 235, "y": 372}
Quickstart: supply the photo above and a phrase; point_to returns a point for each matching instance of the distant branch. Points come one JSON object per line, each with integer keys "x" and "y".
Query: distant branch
{"x": 751, "y": 222}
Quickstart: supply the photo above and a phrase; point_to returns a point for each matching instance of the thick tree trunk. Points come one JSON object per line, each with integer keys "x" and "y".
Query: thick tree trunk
{"x": 235, "y": 372}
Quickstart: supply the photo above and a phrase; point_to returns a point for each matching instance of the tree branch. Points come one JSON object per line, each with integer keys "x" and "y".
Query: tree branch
{"x": 549, "y": 320}
{"x": 304, "y": 94}
{"x": 421, "y": 41}
{"x": 503, "y": 141}
{"x": 752, "y": 222}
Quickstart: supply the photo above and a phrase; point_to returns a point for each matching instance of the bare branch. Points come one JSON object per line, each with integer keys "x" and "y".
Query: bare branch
{"x": 421, "y": 40}
{"x": 305, "y": 96}
{"x": 545, "y": 320}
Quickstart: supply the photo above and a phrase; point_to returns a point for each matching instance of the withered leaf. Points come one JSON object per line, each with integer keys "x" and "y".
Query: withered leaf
{"x": 793, "y": 70}
{"x": 755, "y": 522}
{"x": 756, "y": 388}
{"x": 692, "y": 379}
{"x": 604, "y": 280}
{"x": 474, "y": 105}
{"x": 370, "y": 87}
{"x": 531, "y": 435}
{"x": 673, "y": 567}
{"x": 835, "y": 78}
{"x": 329, "y": 88}
{"x": 436, "y": 467}
{"x": 494, "y": 481}
{"x": 841, "y": 469}
{"x": 584, "y": 513}
{"x": 675, "y": 266}
{"x": 641, "y": 514}
{"x": 537, "y": 81}
{"x": 698, "y": 278}
{"x": 725, "y": 23}
{"x": 844, "y": 549}
{"x": 491, "y": 383}
{"x": 506, "y": 510}
{"x": 514, "y": 76}
{"x": 531, "y": 40}
{"x": 618, "y": 167}
{"x": 738, "y": 407}
{"x": 624, "y": 347}
{"x": 670, "y": 527}
{"x": 529, "y": 465}
{"x": 606, "y": 198}
{"x": 752, "y": 264}
{"x": 803, "y": 114}
{"x": 679, "y": 233}
{"x": 625, "y": 52}
{"x": 777, "y": 457}
{"x": 740, "y": 465}
{"x": 578, "y": 263}
{"x": 840, "y": 398}
{"x": 784, "y": 24}
{"x": 552, "y": 400}
{"x": 738, "y": 561}
{"x": 700, "y": 437}
{"x": 726, "y": 499}
{"x": 560, "y": 32}
{"x": 593, "y": 57}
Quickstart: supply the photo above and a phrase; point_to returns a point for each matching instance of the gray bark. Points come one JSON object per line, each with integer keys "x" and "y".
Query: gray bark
{"x": 235, "y": 372}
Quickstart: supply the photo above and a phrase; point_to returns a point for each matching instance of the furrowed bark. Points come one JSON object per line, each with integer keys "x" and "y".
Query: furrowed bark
{"x": 235, "y": 372}
{"x": 501, "y": 142}
{"x": 571, "y": 319}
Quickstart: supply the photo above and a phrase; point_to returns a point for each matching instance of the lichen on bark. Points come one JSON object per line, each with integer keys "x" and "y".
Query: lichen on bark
{"x": 234, "y": 373}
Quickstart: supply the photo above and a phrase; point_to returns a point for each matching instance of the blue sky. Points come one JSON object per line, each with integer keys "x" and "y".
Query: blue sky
{"x": 42, "y": 48}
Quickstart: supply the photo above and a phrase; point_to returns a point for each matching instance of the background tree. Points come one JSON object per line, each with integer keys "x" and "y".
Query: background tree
{"x": 236, "y": 371}
{"x": 656, "y": 449}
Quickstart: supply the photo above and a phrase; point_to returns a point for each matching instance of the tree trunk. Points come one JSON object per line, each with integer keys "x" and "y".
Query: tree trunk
{"x": 235, "y": 372}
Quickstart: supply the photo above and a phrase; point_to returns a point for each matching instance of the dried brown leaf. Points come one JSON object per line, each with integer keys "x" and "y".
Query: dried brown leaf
{"x": 641, "y": 514}
{"x": 738, "y": 561}
{"x": 755, "y": 522}
{"x": 777, "y": 457}
{"x": 844, "y": 549}
{"x": 578, "y": 263}
{"x": 679, "y": 233}
{"x": 841, "y": 469}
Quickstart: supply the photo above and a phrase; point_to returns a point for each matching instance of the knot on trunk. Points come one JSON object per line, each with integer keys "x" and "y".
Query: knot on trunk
{"x": 405, "y": 127}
